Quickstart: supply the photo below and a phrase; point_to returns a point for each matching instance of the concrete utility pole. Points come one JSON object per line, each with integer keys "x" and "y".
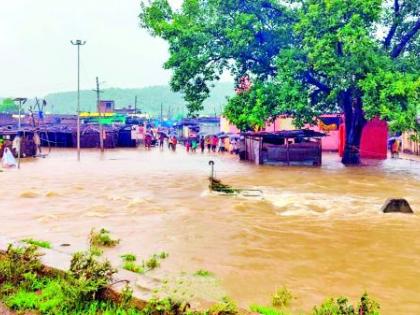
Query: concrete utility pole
{"x": 135, "y": 105}
{"x": 161, "y": 114}
{"x": 21, "y": 100}
{"x": 78, "y": 43}
{"x": 98, "y": 105}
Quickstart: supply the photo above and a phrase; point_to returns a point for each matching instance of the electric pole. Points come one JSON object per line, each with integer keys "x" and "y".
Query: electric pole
{"x": 135, "y": 105}
{"x": 78, "y": 43}
{"x": 21, "y": 100}
{"x": 161, "y": 114}
{"x": 99, "y": 108}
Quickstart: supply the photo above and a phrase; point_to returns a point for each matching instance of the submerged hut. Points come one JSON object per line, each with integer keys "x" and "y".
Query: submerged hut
{"x": 27, "y": 147}
{"x": 288, "y": 147}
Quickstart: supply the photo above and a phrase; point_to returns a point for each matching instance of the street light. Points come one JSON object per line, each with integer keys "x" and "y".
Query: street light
{"x": 21, "y": 100}
{"x": 78, "y": 43}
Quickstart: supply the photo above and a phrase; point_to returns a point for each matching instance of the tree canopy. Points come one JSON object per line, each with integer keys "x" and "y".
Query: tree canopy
{"x": 304, "y": 58}
{"x": 8, "y": 106}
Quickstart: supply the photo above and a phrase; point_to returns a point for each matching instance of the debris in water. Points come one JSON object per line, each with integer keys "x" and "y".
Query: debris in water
{"x": 397, "y": 206}
{"x": 28, "y": 194}
{"x": 218, "y": 186}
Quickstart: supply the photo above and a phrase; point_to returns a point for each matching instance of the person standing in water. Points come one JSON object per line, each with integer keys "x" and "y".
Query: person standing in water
{"x": 214, "y": 142}
{"x": 395, "y": 148}
{"x": 174, "y": 143}
{"x": 221, "y": 145}
{"x": 208, "y": 143}
{"x": 37, "y": 142}
{"x": 194, "y": 145}
{"x": 161, "y": 140}
{"x": 187, "y": 144}
{"x": 202, "y": 144}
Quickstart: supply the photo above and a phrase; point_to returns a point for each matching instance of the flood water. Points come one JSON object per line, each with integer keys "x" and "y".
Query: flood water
{"x": 317, "y": 231}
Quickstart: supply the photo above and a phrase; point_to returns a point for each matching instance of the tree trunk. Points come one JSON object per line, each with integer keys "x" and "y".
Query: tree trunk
{"x": 354, "y": 118}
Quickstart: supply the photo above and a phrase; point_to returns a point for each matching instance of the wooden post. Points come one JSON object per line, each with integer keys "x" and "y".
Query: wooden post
{"x": 211, "y": 163}
{"x": 320, "y": 152}
{"x": 246, "y": 148}
{"x": 287, "y": 151}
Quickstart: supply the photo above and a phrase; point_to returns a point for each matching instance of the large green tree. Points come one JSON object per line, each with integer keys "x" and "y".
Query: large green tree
{"x": 208, "y": 37}
{"x": 305, "y": 57}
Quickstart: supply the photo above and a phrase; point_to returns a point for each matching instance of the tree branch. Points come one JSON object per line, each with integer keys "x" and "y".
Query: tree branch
{"x": 393, "y": 29}
{"x": 311, "y": 80}
{"x": 269, "y": 5}
{"x": 405, "y": 40}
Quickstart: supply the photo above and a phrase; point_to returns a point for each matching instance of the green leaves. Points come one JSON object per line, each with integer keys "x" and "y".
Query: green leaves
{"x": 300, "y": 57}
{"x": 394, "y": 96}
{"x": 208, "y": 38}
{"x": 8, "y": 106}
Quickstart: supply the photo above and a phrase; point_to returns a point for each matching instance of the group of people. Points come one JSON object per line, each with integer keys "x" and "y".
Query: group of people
{"x": 193, "y": 143}
{"x": 211, "y": 143}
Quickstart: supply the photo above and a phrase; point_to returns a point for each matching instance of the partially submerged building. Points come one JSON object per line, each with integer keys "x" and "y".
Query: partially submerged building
{"x": 288, "y": 147}
{"x": 203, "y": 125}
{"x": 374, "y": 137}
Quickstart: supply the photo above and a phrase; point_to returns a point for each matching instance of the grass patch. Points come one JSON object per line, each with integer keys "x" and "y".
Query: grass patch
{"x": 265, "y": 310}
{"x": 203, "y": 273}
{"x": 129, "y": 262}
{"x": 133, "y": 267}
{"x": 38, "y": 243}
{"x": 102, "y": 238}
{"x": 128, "y": 257}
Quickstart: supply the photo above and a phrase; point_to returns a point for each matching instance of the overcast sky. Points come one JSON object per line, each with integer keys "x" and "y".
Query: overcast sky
{"x": 36, "y": 57}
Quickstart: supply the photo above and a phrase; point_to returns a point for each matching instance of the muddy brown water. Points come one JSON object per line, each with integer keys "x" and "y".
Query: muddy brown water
{"x": 317, "y": 231}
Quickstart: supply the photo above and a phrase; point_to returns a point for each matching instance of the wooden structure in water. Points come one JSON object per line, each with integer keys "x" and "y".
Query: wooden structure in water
{"x": 28, "y": 147}
{"x": 289, "y": 147}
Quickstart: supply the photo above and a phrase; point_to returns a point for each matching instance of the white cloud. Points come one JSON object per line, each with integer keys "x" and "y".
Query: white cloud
{"x": 37, "y": 58}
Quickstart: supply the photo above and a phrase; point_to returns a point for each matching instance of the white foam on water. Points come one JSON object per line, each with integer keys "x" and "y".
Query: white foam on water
{"x": 291, "y": 203}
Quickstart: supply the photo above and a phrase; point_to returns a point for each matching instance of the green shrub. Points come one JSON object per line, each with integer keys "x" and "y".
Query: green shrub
{"x": 133, "y": 267}
{"x": 151, "y": 263}
{"x": 18, "y": 261}
{"x": 128, "y": 257}
{"x": 38, "y": 243}
{"x": 92, "y": 275}
{"x": 96, "y": 251}
{"x": 282, "y": 297}
{"x": 163, "y": 306}
{"x": 102, "y": 238}
{"x": 341, "y": 306}
{"x": 368, "y": 306}
{"x": 226, "y": 307}
{"x": 163, "y": 255}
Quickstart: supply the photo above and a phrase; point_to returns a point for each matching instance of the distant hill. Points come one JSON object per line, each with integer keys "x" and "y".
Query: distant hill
{"x": 149, "y": 99}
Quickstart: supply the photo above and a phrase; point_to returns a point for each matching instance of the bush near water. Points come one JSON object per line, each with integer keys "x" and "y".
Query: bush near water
{"x": 25, "y": 285}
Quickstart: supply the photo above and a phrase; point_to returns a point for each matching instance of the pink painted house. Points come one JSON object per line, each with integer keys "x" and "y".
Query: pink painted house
{"x": 374, "y": 136}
